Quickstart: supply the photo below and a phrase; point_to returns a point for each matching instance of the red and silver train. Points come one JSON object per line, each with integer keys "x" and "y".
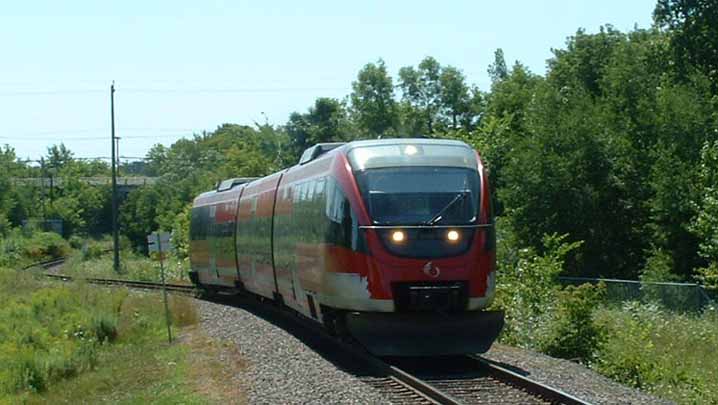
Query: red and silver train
{"x": 389, "y": 241}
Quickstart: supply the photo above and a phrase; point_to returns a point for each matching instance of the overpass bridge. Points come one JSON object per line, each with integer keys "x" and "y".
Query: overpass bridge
{"x": 124, "y": 184}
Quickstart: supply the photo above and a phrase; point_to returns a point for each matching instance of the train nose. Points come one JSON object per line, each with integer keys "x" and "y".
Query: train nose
{"x": 430, "y": 296}
{"x": 425, "y": 333}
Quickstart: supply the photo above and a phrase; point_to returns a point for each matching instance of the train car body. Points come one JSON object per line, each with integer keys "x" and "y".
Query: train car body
{"x": 391, "y": 241}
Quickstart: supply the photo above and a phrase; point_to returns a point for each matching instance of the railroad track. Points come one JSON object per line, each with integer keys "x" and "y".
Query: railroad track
{"x": 472, "y": 379}
{"x": 181, "y": 288}
{"x": 147, "y": 285}
{"x": 453, "y": 380}
{"x": 443, "y": 380}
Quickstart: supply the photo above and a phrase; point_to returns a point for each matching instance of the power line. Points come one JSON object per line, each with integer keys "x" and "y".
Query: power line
{"x": 93, "y": 138}
{"x": 103, "y": 130}
{"x": 139, "y": 90}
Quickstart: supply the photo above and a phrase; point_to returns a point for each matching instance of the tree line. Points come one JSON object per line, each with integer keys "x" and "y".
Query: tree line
{"x": 616, "y": 145}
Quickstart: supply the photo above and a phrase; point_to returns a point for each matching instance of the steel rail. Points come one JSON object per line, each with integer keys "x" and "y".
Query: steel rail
{"x": 402, "y": 376}
{"x": 409, "y": 381}
{"x": 531, "y": 385}
{"x": 148, "y": 285}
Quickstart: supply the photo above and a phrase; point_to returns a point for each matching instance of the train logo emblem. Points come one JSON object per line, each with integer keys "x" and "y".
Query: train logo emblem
{"x": 431, "y": 270}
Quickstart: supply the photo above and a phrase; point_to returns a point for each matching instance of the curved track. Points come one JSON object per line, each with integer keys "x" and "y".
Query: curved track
{"x": 443, "y": 380}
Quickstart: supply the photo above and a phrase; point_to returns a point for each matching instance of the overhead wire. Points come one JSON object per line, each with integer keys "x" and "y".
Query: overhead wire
{"x": 157, "y": 90}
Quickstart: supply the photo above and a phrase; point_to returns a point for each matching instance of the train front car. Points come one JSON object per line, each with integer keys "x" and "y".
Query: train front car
{"x": 430, "y": 261}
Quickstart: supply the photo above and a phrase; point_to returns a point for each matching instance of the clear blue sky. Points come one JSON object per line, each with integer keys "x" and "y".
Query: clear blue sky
{"x": 182, "y": 67}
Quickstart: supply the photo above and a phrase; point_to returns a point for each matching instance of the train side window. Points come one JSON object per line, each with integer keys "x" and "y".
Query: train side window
{"x": 329, "y": 198}
{"x": 295, "y": 192}
{"x": 319, "y": 190}
{"x": 253, "y": 210}
{"x": 305, "y": 190}
{"x": 310, "y": 190}
{"x": 336, "y": 205}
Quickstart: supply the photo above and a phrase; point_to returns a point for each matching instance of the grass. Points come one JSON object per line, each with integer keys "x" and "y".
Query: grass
{"x": 20, "y": 248}
{"x": 69, "y": 343}
{"x": 134, "y": 267}
{"x": 671, "y": 355}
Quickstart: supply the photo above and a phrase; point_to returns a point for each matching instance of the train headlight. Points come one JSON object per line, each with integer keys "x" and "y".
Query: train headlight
{"x": 453, "y": 236}
{"x": 411, "y": 150}
{"x": 398, "y": 236}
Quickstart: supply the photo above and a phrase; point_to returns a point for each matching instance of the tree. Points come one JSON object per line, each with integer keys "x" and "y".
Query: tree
{"x": 693, "y": 28}
{"x": 497, "y": 70}
{"x": 372, "y": 100}
{"x": 326, "y": 121}
{"x": 455, "y": 97}
{"x": 58, "y": 156}
{"x": 7, "y": 193}
{"x": 421, "y": 89}
{"x": 705, "y": 224}
{"x": 139, "y": 214}
{"x": 583, "y": 61}
{"x": 510, "y": 97}
{"x": 155, "y": 158}
{"x": 558, "y": 179}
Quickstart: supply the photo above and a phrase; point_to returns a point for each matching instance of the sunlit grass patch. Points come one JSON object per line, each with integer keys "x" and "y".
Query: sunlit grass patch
{"x": 133, "y": 267}
{"x": 146, "y": 369}
{"x": 70, "y": 342}
{"x": 671, "y": 355}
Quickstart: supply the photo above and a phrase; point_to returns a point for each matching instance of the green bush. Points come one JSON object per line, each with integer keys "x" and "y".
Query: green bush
{"x": 20, "y": 248}
{"x": 527, "y": 290}
{"x": 51, "y": 333}
{"x": 671, "y": 355}
{"x": 133, "y": 266}
{"x": 571, "y": 331}
{"x": 708, "y": 276}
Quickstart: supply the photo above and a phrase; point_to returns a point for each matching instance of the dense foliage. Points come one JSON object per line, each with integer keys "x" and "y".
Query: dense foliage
{"x": 49, "y": 334}
{"x": 615, "y": 146}
{"x": 606, "y": 165}
{"x": 668, "y": 354}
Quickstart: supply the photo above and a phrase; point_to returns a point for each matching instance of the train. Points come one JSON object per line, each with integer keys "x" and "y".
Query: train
{"x": 388, "y": 242}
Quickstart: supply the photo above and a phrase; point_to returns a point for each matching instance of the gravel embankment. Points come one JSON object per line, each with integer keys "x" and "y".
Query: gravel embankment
{"x": 570, "y": 377}
{"x": 280, "y": 369}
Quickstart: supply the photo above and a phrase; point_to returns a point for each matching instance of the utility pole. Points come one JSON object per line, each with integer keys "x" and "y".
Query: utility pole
{"x": 115, "y": 236}
{"x": 43, "y": 174}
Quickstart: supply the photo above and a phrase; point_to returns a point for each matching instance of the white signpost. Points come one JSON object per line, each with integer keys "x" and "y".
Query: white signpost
{"x": 159, "y": 242}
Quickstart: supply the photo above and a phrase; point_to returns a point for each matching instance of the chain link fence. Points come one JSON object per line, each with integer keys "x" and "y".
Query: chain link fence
{"x": 681, "y": 297}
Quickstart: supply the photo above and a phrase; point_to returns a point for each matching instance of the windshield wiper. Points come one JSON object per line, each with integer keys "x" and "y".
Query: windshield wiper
{"x": 436, "y": 218}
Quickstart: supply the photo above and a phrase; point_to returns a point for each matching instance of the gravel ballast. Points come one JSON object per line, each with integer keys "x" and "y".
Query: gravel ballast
{"x": 280, "y": 369}
{"x": 572, "y": 378}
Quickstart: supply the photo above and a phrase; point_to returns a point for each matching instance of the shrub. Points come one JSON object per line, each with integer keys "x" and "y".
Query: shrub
{"x": 571, "y": 332}
{"x": 104, "y": 327}
{"x": 51, "y": 333}
{"x": 708, "y": 276}
{"x": 46, "y": 245}
{"x": 20, "y": 247}
{"x": 527, "y": 290}
{"x": 668, "y": 354}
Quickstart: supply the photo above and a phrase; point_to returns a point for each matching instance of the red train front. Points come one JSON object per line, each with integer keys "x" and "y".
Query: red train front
{"x": 391, "y": 241}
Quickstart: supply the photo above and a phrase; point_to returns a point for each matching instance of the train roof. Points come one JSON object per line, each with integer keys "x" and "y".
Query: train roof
{"x": 320, "y": 149}
{"x": 404, "y": 141}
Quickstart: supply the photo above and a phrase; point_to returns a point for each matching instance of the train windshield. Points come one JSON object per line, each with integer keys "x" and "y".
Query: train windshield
{"x": 420, "y": 195}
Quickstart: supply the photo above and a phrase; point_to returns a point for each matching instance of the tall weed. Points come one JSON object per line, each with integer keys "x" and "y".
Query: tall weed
{"x": 671, "y": 355}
